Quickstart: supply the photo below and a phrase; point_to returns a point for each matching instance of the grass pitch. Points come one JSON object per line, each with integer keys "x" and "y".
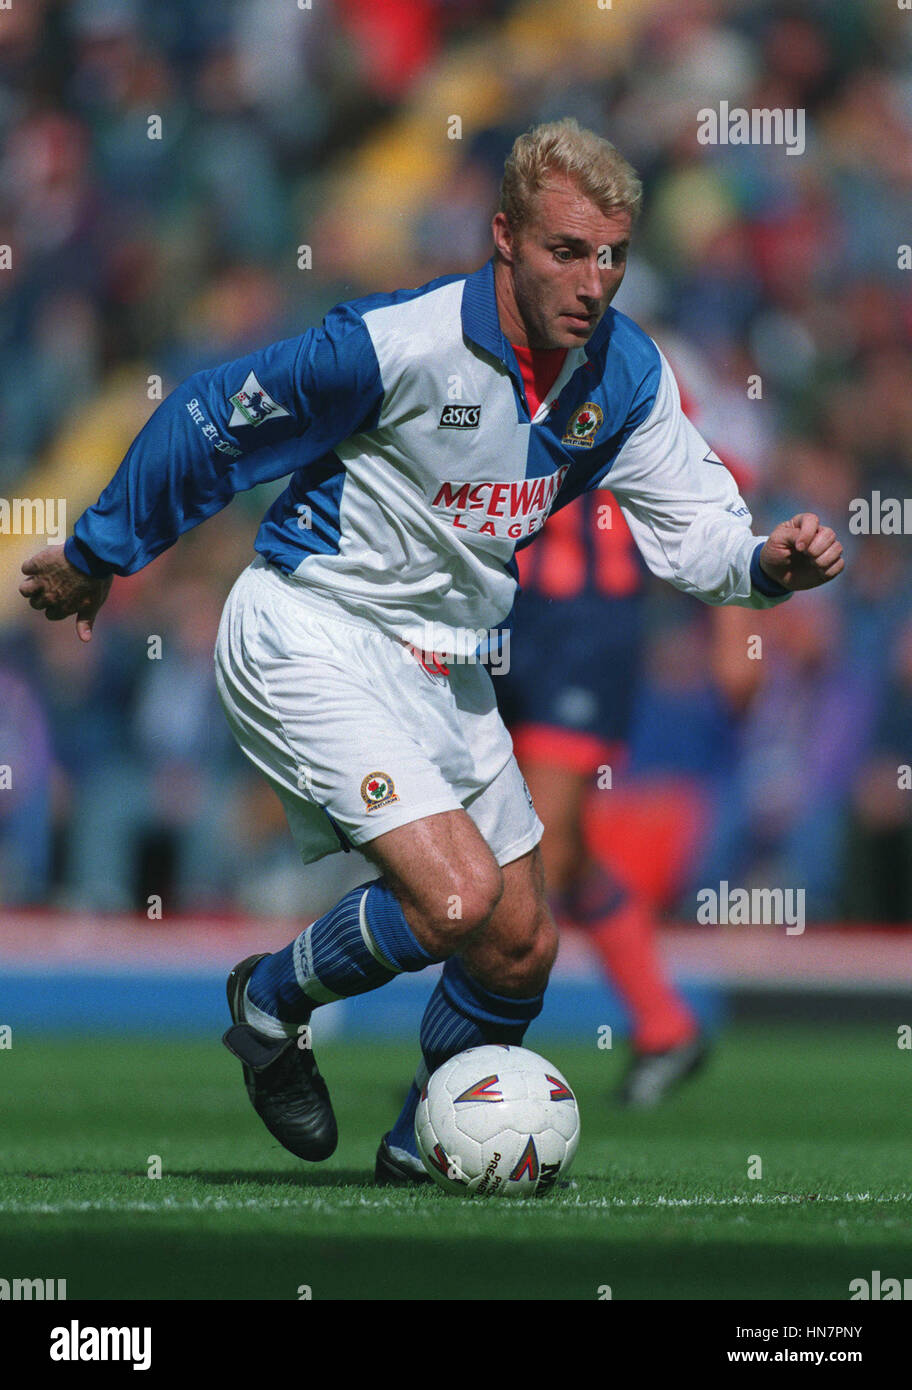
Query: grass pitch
{"x": 661, "y": 1205}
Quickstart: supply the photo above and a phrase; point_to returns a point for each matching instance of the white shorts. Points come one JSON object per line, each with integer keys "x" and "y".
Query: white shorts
{"x": 354, "y": 734}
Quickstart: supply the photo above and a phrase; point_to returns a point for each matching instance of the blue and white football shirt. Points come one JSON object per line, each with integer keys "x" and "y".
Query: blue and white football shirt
{"x": 416, "y": 470}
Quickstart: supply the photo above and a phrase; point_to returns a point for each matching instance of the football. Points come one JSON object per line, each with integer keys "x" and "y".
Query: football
{"x": 497, "y": 1121}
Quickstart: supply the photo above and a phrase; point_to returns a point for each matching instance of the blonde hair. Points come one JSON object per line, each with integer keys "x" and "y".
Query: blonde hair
{"x": 564, "y": 147}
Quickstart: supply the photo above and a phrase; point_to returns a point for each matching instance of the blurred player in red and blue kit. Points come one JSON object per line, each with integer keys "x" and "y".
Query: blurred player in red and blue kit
{"x": 582, "y": 600}
{"x": 582, "y": 597}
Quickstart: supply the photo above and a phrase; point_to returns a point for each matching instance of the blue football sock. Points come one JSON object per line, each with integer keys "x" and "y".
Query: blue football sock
{"x": 402, "y": 1134}
{"x": 362, "y": 943}
{"x": 461, "y": 1013}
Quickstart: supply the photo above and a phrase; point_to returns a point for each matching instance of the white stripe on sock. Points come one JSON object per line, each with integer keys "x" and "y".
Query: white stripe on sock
{"x": 308, "y": 983}
{"x": 267, "y": 1023}
{"x": 368, "y": 939}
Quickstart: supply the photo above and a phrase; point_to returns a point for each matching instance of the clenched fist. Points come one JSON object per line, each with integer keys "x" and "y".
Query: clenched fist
{"x": 60, "y": 590}
{"x": 800, "y": 554}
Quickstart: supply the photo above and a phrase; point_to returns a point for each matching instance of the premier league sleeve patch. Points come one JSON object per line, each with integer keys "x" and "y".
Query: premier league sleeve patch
{"x": 378, "y": 790}
{"x": 583, "y": 425}
{"x": 253, "y": 406}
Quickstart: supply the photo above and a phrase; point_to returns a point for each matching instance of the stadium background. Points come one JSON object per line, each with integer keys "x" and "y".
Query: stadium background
{"x": 135, "y": 258}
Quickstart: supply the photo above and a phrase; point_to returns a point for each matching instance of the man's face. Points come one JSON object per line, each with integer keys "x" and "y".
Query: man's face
{"x": 552, "y": 290}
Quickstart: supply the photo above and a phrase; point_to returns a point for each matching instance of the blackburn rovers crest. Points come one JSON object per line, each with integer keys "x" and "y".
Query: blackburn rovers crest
{"x": 583, "y": 425}
{"x": 378, "y": 790}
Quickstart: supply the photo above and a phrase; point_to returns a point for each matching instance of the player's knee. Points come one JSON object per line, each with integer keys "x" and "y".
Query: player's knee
{"x": 525, "y": 962}
{"x": 451, "y": 918}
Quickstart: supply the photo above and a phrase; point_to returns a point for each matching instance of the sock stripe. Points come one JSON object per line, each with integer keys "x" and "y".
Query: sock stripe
{"x": 334, "y": 958}
{"x": 266, "y": 1023}
{"x": 368, "y": 938}
{"x": 390, "y": 931}
{"x": 342, "y": 960}
{"x": 306, "y": 976}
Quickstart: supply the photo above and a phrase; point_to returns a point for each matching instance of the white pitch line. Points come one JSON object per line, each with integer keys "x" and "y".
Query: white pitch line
{"x": 317, "y": 1203}
{"x": 756, "y": 1200}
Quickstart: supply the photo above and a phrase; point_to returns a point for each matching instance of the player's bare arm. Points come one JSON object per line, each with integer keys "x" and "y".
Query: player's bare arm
{"x": 60, "y": 590}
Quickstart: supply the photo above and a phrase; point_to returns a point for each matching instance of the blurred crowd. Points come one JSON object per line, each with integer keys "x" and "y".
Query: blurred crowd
{"x": 170, "y": 254}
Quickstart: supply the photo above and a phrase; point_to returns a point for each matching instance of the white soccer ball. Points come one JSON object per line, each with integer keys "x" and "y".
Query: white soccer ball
{"x": 497, "y": 1121}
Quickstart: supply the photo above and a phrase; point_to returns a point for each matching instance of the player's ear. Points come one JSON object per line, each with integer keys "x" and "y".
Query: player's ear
{"x": 503, "y": 235}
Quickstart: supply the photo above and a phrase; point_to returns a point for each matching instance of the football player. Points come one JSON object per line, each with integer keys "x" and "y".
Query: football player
{"x": 347, "y": 654}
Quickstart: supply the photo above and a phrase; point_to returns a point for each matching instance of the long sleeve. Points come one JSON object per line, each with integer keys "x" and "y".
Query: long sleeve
{"x": 684, "y": 510}
{"x": 225, "y": 430}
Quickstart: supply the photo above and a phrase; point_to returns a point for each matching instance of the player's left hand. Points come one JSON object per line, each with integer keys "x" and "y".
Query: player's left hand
{"x": 800, "y": 554}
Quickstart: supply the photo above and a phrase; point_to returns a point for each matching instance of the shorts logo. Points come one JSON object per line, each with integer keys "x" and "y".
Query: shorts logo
{"x": 460, "y": 417}
{"x": 378, "y": 790}
{"x": 253, "y": 405}
{"x": 583, "y": 425}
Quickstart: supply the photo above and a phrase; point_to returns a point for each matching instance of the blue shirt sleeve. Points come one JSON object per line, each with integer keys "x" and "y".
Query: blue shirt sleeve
{"x": 225, "y": 430}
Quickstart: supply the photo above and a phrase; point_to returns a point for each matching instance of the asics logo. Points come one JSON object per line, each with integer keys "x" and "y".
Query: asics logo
{"x": 460, "y": 417}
